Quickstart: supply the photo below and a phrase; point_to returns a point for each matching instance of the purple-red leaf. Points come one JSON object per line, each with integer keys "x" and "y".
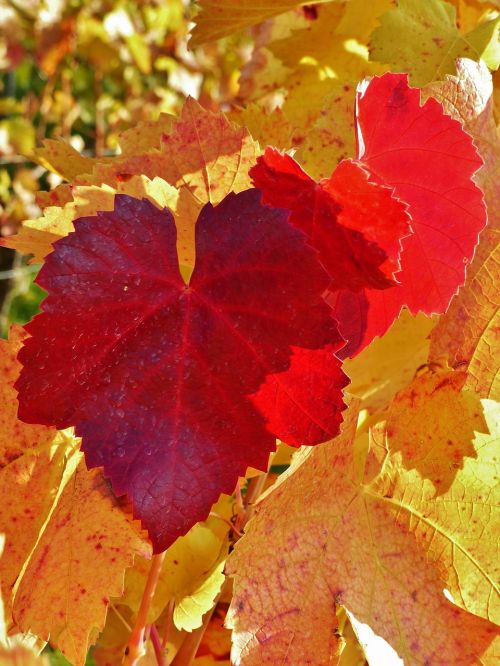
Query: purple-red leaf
{"x": 172, "y": 386}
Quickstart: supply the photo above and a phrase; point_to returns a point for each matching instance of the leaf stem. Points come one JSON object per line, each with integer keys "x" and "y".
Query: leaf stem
{"x": 135, "y": 646}
{"x": 157, "y": 646}
{"x": 169, "y": 614}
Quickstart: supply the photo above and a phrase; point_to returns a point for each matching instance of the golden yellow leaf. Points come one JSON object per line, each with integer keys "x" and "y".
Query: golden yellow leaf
{"x": 28, "y": 488}
{"x": 77, "y": 565}
{"x": 458, "y": 529}
{"x": 432, "y": 423}
{"x": 352, "y": 652}
{"x": 331, "y": 138}
{"x": 423, "y": 39}
{"x": 59, "y": 157}
{"x": 208, "y": 154}
{"x": 220, "y": 18}
{"x": 191, "y": 577}
{"x": 145, "y": 136}
{"x": 16, "y": 437}
{"x": 390, "y": 362}
{"x": 469, "y": 333}
{"x": 269, "y": 128}
{"x": 356, "y": 544}
{"x": 37, "y": 236}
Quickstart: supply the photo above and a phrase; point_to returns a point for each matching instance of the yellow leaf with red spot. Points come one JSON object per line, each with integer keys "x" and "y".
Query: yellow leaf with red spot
{"x": 349, "y": 539}
{"x": 77, "y": 564}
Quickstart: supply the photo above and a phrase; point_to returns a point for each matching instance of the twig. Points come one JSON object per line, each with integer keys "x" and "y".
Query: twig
{"x": 136, "y": 641}
{"x": 157, "y": 645}
{"x": 120, "y": 617}
{"x": 212, "y": 514}
{"x": 169, "y": 614}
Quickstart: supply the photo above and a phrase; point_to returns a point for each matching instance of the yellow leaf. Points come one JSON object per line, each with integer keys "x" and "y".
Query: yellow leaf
{"x": 457, "y": 529}
{"x": 220, "y": 18}
{"x": 191, "y": 577}
{"x": 61, "y": 158}
{"x": 145, "y": 136}
{"x": 268, "y": 128}
{"x": 208, "y": 154}
{"x": 389, "y": 363}
{"x": 37, "y": 236}
{"x": 432, "y": 424}
{"x": 423, "y": 39}
{"x": 139, "y": 50}
{"x": 359, "y": 545}
{"x": 28, "y": 488}
{"x": 469, "y": 333}
{"x": 77, "y": 564}
{"x": 311, "y": 62}
{"x": 331, "y": 138}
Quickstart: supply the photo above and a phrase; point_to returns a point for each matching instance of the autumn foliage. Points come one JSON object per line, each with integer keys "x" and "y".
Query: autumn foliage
{"x": 255, "y": 420}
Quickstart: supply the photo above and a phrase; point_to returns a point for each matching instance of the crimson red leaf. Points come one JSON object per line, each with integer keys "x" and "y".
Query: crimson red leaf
{"x": 429, "y": 161}
{"x": 356, "y": 225}
{"x": 158, "y": 376}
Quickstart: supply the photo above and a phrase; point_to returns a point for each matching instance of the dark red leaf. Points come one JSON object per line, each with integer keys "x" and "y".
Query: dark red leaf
{"x": 429, "y": 161}
{"x": 356, "y": 225}
{"x": 170, "y": 385}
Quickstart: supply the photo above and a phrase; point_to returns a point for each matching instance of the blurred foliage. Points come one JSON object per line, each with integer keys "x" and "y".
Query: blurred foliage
{"x": 86, "y": 70}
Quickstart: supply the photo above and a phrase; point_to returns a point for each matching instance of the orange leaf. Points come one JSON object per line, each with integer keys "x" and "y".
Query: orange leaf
{"x": 77, "y": 564}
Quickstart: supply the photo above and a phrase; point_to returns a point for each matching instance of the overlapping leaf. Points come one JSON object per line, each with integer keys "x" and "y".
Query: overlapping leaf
{"x": 356, "y": 225}
{"x": 468, "y": 334}
{"x": 76, "y": 565}
{"x": 429, "y": 160}
{"x": 423, "y": 39}
{"x": 360, "y": 531}
{"x": 145, "y": 366}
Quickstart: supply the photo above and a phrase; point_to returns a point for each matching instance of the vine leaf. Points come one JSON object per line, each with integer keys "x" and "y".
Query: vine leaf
{"x": 429, "y": 161}
{"x": 220, "y": 18}
{"x": 424, "y": 40}
{"x": 77, "y": 564}
{"x": 355, "y": 225}
{"x": 469, "y": 333}
{"x": 359, "y": 528}
{"x": 161, "y": 379}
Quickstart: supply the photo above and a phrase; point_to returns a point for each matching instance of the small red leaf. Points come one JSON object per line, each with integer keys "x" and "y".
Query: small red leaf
{"x": 429, "y": 161}
{"x": 158, "y": 376}
{"x": 355, "y": 224}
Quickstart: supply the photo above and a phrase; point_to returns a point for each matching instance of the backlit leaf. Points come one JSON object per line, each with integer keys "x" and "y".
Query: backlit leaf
{"x": 429, "y": 160}
{"x": 174, "y": 436}
{"x": 423, "y": 39}
{"x": 191, "y": 577}
{"x": 355, "y": 224}
{"x": 469, "y": 332}
{"x": 389, "y": 363}
{"x": 358, "y": 544}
